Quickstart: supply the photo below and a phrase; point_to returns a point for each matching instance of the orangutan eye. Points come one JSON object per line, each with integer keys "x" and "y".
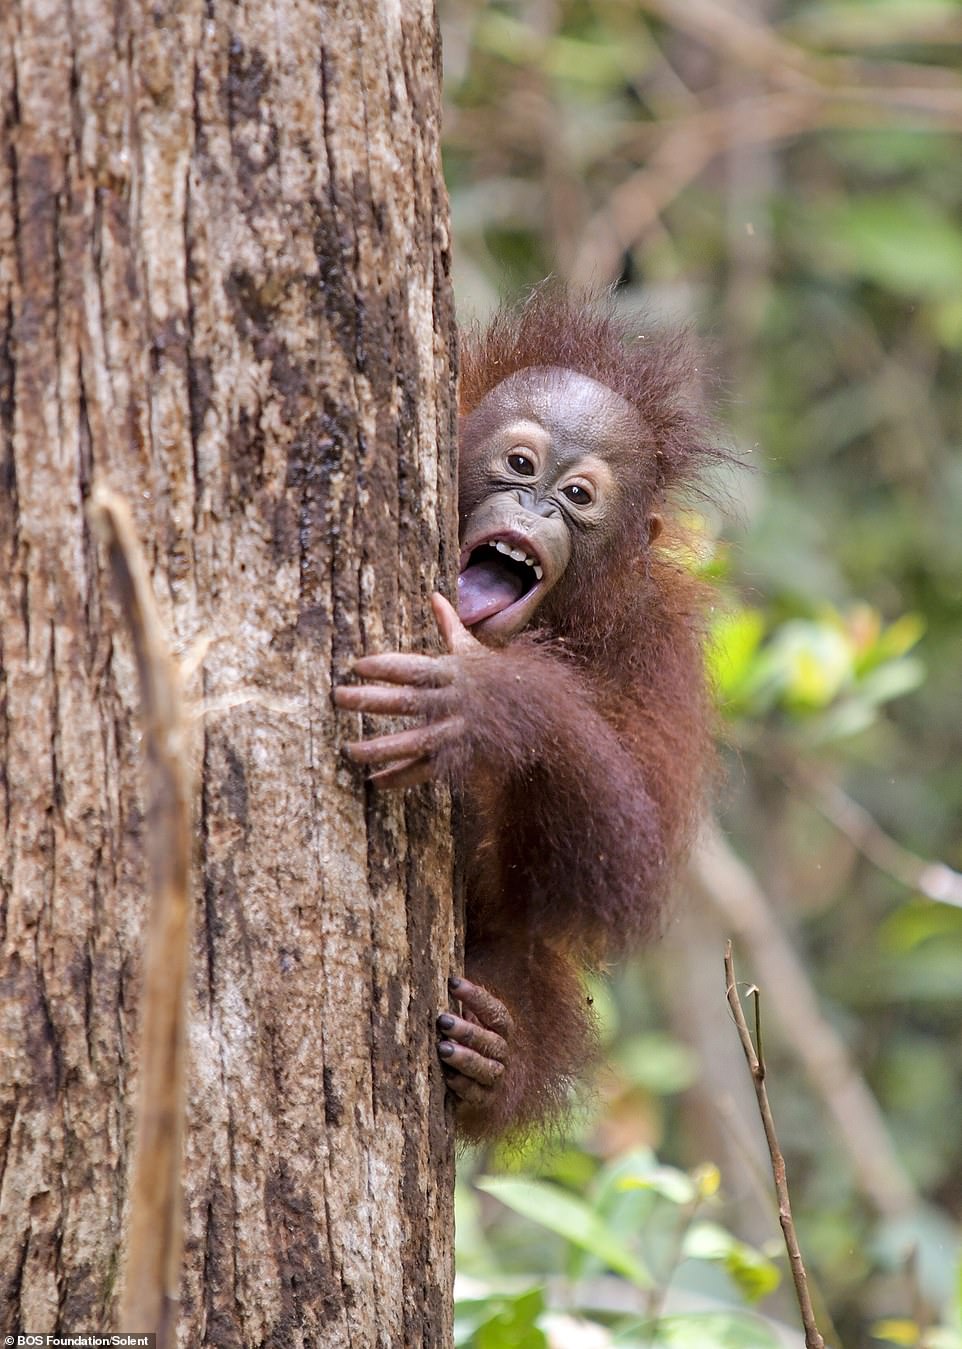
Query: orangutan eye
{"x": 578, "y": 494}
{"x": 521, "y": 464}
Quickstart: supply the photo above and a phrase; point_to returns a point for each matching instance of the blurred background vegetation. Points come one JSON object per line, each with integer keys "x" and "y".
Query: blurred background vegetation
{"x": 787, "y": 179}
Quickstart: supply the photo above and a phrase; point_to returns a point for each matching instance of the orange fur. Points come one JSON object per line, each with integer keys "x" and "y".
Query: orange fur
{"x": 588, "y": 739}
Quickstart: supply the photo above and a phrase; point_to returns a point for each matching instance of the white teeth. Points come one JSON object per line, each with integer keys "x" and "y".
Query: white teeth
{"x": 517, "y": 555}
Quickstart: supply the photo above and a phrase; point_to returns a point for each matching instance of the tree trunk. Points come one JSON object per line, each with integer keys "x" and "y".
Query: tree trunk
{"x": 224, "y": 294}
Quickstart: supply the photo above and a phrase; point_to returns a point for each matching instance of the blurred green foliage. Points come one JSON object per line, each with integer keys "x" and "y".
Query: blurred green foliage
{"x": 637, "y": 1219}
{"x": 831, "y": 671}
{"x": 786, "y": 177}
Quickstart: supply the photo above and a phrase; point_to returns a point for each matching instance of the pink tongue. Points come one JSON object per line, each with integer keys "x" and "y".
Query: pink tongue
{"x": 486, "y": 588}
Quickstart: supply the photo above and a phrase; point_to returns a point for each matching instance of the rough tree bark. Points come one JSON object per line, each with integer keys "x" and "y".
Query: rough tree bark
{"x": 224, "y": 293}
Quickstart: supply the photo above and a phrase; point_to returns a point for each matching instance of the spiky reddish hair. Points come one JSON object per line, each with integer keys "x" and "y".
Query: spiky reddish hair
{"x": 651, "y": 369}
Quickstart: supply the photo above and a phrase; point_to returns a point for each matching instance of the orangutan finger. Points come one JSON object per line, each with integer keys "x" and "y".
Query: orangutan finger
{"x": 454, "y": 634}
{"x": 475, "y": 1037}
{"x": 415, "y": 743}
{"x": 398, "y": 667}
{"x": 386, "y": 700}
{"x": 467, "y": 1090}
{"x": 469, "y": 1064}
{"x": 490, "y": 1011}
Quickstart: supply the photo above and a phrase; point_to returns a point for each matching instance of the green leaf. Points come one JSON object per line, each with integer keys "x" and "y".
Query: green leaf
{"x": 515, "y": 1326}
{"x": 907, "y": 927}
{"x": 658, "y": 1062}
{"x": 819, "y": 662}
{"x": 892, "y": 680}
{"x": 805, "y": 665}
{"x": 755, "y": 1275}
{"x": 500, "y": 1321}
{"x": 707, "y": 1178}
{"x": 571, "y": 1167}
{"x": 933, "y": 975}
{"x": 848, "y": 717}
{"x": 900, "y": 637}
{"x": 503, "y": 36}
{"x": 904, "y": 243}
{"x": 947, "y": 321}
{"x": 735, "y": 640}
{"x": 608, "y": 1188}
{"x": 675, "y": 1186}
{"x": 707, "y": 1241}
{"x": 601, "y": 65}
{"x": 712, "y": 1330}
{"x": 571, "y": 1218}
{"x": 895, "y": 1331}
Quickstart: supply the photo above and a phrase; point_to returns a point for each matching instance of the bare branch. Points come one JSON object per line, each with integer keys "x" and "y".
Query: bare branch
{"x": 756, "y": 1064}
{"x": 738, "y": 37}
{"x": 685, "y": 150}
{"x": 733, "y": 890}
{"x": 747, "y": 42}
{"x": 151, "y": 1278}
{"x": 807, "y": 91}
{"x": 935, "y": 880}
{"x": 859, "y": 28}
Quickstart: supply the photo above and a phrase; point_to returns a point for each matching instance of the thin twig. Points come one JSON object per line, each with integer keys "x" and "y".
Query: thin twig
{"x": 807, "y": 91}
{"x": 686, "y": 148}
{"x": 745, "y": 40}
{"x": 151, "y": 1277}
{"x": 739, "y": 37}
{"x": 756, "y": 1064}
{"x": 935, "y": 880}
{"x": 689, "y": 145}
{"x": 733, "y": 890}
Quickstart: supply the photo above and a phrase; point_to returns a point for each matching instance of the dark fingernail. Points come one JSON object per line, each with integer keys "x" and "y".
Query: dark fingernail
{"x": 454, "y": 982}
{"x": 445, "y": 1049}
{"x": 445, "y": 1021}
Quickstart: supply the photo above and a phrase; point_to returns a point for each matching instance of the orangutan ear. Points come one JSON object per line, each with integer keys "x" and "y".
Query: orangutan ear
{"x": 655, "y": 525}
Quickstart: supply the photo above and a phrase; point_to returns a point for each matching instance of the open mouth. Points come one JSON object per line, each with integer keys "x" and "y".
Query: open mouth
{"x": 495, "y": 574}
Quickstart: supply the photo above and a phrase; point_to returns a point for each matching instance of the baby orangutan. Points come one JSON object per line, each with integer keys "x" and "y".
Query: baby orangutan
{"x": 569, "y": 708}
